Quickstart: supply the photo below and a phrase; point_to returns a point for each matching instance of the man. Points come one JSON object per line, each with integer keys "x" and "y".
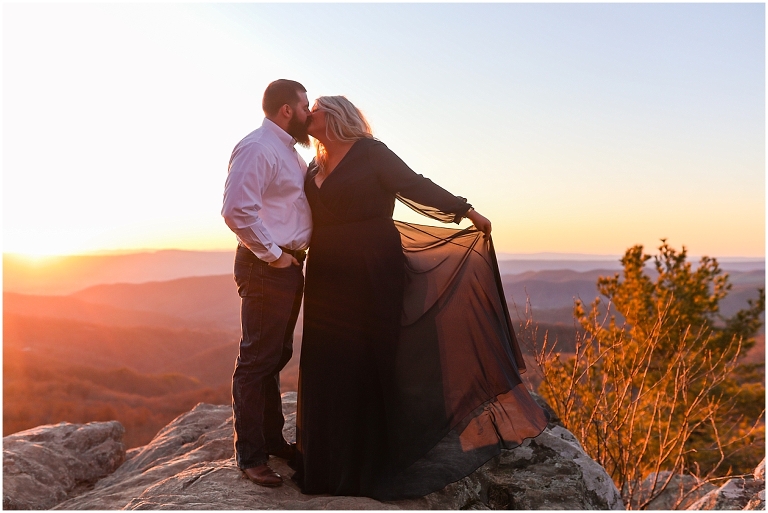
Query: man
{"x": 264, "y": 204}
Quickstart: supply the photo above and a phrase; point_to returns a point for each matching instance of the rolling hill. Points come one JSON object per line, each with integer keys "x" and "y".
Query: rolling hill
{"x": 67, "y": 274}
{"x": 552, "y": 292}
{"x": 144, "y": 349}
{"x": 67, "y": 307}
{"x": 40, "y": 390}
{"x": 201, "y": 299}
{"x": 144, "y": 352}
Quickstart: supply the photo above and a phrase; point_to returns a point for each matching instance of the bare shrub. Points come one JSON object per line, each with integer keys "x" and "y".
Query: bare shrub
{"x": 655, "y": 387}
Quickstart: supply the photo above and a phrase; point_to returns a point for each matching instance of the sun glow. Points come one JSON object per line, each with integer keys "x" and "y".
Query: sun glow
{"x": 614, "y": 129}
{"x": 43, "y": 249}
{"x": 43, "y": 252}
{"x": 34, "y": 260}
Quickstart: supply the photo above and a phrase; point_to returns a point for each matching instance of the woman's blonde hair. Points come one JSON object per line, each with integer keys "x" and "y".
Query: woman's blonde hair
{"x": 343, "y": 122}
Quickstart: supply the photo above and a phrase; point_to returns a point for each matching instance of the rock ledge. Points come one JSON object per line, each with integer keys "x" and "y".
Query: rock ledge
{"x": 189, "y": 465}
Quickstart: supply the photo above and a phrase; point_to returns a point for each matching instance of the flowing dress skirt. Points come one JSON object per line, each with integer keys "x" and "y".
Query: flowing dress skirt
{"x": 410, "y": 370}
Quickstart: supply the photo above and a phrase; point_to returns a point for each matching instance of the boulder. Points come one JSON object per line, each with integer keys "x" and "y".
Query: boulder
{"x": 551, "y": 471}
{"x": 221, "y": 485}
{"x": 738, "y": 493}
{"x": 190, "y": 465}
{"x": 46, "y": 465}
{"x": 202, "y": 435}
{"x": 757, "y": 502}
{"x": 679, "y": 491}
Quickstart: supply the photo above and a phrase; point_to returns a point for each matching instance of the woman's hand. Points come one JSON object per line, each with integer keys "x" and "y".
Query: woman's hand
{"x": 481, "y": 223}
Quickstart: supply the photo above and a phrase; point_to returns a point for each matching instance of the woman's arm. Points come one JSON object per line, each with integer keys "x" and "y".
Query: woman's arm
{"x": 395, "y": 176}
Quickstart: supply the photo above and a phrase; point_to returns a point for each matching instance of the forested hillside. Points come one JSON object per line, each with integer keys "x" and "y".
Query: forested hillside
{"x": 142, "y": 353}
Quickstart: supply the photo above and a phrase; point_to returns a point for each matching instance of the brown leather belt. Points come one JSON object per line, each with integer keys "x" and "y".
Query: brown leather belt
{"x": 298, "y": 254}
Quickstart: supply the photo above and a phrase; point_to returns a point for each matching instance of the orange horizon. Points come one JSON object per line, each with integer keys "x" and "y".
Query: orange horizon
{"x": 544, "y": 254}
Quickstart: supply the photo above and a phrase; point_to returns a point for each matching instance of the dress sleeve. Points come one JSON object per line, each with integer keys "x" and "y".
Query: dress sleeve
{"x": 412, "y": 189}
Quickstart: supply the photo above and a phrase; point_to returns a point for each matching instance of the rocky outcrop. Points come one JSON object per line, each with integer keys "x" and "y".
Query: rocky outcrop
{"x": 738, "y": 493}
{"x": 671, "y": 491}
{"x": 551, "y": 471}
{"x": 189, "y": 465}
{"x": 45, "y": 465}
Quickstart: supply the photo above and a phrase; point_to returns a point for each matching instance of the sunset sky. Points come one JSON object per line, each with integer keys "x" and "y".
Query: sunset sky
{"x": 576, "y": 128}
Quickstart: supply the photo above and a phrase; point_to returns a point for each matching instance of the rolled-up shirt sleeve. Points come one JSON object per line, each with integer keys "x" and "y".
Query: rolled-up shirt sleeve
{"x": 251, "y": 169}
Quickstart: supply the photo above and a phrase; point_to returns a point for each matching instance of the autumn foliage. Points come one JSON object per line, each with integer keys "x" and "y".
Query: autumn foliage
{"x": 656, "y": 382}
{"x": 47, "y": 392}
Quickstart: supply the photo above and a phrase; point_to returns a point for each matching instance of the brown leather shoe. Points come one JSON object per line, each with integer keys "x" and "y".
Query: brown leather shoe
{"x": 263, "y": 475}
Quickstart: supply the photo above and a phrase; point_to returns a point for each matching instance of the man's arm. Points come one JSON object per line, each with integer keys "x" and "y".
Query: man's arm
{"x": 250, "y": 171}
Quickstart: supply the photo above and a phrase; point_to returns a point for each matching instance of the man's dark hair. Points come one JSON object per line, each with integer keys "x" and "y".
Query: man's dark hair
{"x": 279, "y": 93}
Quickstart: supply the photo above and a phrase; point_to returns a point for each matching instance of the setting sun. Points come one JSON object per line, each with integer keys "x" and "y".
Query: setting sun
{"x": 42, "y": 250}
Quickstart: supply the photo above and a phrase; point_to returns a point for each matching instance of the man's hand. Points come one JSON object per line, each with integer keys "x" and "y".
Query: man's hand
{"x": 481, "y": 223}
{"x": 284, "y": 261}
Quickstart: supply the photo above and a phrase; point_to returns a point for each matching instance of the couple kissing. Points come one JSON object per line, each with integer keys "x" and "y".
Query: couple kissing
{"x": 409, "y": 376}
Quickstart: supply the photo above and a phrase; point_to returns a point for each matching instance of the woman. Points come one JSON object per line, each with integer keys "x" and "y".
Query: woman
{"x": 408, "y": 371}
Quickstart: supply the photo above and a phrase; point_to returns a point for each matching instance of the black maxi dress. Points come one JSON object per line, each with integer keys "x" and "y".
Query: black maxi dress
{"x": 409, "y": 373}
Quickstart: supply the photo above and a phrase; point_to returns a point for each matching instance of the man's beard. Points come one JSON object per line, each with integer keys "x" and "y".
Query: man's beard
{"x": 298, "y": 131}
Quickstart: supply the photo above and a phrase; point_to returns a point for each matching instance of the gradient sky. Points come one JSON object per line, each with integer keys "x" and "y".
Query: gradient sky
{"x": 578, "y": 128}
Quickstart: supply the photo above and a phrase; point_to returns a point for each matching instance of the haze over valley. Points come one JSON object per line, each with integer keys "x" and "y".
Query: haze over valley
{"x": 148, "y": 349}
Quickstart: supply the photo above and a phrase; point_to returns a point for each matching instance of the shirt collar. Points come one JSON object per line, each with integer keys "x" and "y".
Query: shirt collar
{"x": 281, "y": 134}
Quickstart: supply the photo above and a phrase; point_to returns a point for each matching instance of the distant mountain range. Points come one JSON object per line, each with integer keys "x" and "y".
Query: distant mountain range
{"x": 65, "y": 275}
{"x": 138, "y": 353}
{"x": 149, "y": 348}
{"x": 552, "y": 292}
{"x": 520, "y": 265}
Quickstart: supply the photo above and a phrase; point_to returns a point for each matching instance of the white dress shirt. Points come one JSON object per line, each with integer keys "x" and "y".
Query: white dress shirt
{"x": 264, "y": 201}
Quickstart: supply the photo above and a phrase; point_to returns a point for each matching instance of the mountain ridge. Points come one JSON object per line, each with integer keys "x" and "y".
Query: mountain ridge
{"x": 69, "y": 274}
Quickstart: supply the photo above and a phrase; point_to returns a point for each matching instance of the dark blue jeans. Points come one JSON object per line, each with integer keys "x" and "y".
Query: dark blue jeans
{"x": 270, "y": 302}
